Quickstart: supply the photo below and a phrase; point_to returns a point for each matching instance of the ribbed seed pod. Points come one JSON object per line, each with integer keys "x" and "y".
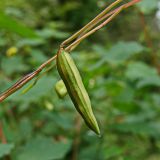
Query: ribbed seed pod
{"x": 61, "y": 89}
{"x": 76, "y": 90}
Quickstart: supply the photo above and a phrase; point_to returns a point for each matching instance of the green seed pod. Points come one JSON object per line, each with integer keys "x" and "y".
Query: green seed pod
{"x": 76, "y": 90}
{"x": 61, "y": 89}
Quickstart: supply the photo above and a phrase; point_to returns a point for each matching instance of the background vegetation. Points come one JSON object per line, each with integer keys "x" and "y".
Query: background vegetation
{"x": 120, "y": 66}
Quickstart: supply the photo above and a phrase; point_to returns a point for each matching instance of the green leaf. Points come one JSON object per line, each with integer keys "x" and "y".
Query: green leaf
{"x": 42, "y": 87}
{"x": 37, "y": 57}
{"x": 113, "y": 151}
{"x": 13, "y": 65}
{"x": 8, "y": 23}
{"x": 49, "y": 33}
{"x": 140, "y": 70}
{"x": 30, "y": 42}
{"x": 145, "y": 74}
{"x": 44, "y": 149}
{"x": 89, "y": 152}
{"x": 122, "y": 51}
{"x": 3, "y": 41}
{"x": 143, "y": 128}
{"x": 5, "y": 149}
{"x": 149, "y": 81}
{"x": 147, "y": 6}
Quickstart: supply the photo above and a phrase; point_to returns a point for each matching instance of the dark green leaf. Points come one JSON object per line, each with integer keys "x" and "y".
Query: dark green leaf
{"x": 8, "y": 23}
{"x": 122, "y": 51}
{"x": 5, "y": 149}
{"x": 44, "y": 149}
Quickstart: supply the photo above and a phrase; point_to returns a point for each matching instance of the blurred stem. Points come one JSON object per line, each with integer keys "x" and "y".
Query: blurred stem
{"x": 101, "y": 18}
{"x": 153, "y": 147}
{"x": 36, "y": 80}
{"x": 91, "y": 23}
{"x": 19, "y": 84}
{"x": 76, "y": 141}
{"x": 3, "y": 140}
{"x": 154, "y": 57}
{"x": 69, "y": 48}
{"x": 2, "y": 136}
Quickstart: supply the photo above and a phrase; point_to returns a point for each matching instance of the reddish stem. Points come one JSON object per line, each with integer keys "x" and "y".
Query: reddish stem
{"x": 2, "y": 136}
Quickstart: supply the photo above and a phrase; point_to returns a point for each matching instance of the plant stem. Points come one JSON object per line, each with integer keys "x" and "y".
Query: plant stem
{"x": 19, "y": 84}
{"x": 76, "y": 142}
{"x": 91, "y": 23}
{"x": 2, "y": 136}
{"x": 3, "y": 139}
{"x": 69, "y": 48}
{"x": 154, "y": 57}
{"x": 101, "y": 18}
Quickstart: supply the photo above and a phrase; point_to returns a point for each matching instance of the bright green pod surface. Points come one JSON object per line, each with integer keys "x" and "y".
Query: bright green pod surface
{"x": 76, "y": 90}
{"x": 61, "y": 89}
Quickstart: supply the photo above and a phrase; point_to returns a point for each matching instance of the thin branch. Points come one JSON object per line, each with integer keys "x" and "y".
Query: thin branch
{"x": 24, "y": 80}
{"x": 76, "y": 142}
{"x": 2, "y": 136}
{"x": 91, "y": 23}
{"x": 3, "y": 140}
{"x": 30, "y": 76}
{"x": 88, "y": 27}
{"x": 36, "y": 80}
{"x": 112, "y": 12}
{"x": 75, "y": 44}
{"x": 69, "y": 48}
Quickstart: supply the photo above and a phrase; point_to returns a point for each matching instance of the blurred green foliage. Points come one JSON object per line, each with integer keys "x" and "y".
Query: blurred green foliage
{"x": 118, "y": 68}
